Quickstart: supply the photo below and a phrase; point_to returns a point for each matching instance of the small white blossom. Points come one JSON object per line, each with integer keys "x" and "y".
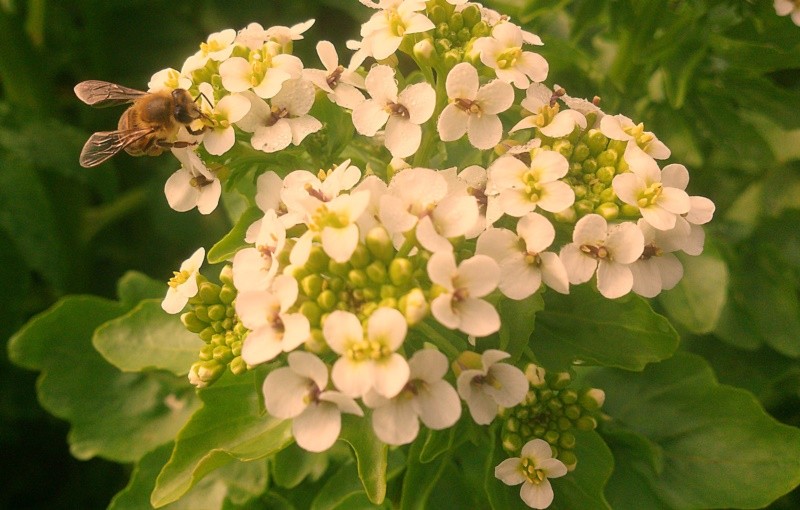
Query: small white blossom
{"x": 642, "y": 187}
{"x": 411, "y": 194}
{"x": 473, "y": 109}
{"x": 367, "y": 362}
{"x": 452, "y": 217}
{"x": 608, "y": 249}
{"x": 533, "y": 469}
{"x": 426, "y": 397}
{"x": 620, "y": 127}
{"x": 460, "y": 306}
{"x": 473, "y": 181}
{"x": 220, "y": 137}
{"x": 285, "y": 121}
{"x": 538, "y": 101}
{"x": 503, "y": 53}
{"x": 657, "y": 269}
{"x": 384, "y": 31}
{"x": 265, "y": 73}
{"x": 254, "y": 268}
{"x": 340, "y": 83}
{"x": 402, "y": 113}
{"x": 193, "y": 185}
{"x": 183, "y": 285}
{"x": 168, "y": 79}
{"x": 523, "y": 262}
{"x": 273, "y": 329}
{"x": 788, "y": 8}
{"x": 523, "y": 188}
{"x": 298, "y": 392}
{"x": 218, "y": 47}
{"x": 284, "y": 36}
{"x": 701, "y": 210}
{"x": 491, "y": 386}
{"x": 336, "y": 224}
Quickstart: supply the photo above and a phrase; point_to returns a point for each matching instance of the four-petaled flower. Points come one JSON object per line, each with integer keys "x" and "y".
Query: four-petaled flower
{"x": 193, "y": 185}
{"x": 490, "y": 385}
{"x": 503, "y": 53}
{"x": 298, "y": 392}
{"x": 183, "y": 285}
{"x": 523, "y": 188}
{"x": 533, "y": 469}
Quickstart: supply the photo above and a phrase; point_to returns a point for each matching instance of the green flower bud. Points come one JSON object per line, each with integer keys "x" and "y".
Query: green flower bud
{"x": 608, "y": 195}
{"x": 583, "y": 207}
{"x": 464, "y": 35}
{"x": 317, "y": 260}
{"x": 564, "y": 423}
{"x": 535, "y": 375}
{"x": 593, "y": 399}
{"x": 608, "y": 157}
{"x": 481, "y": 29}
{"x": 559, "y": 380}
{"x": 206, "y": 352}
{"x": 567, "y": 441}
{"x": 452, "y": 58}
{"x": 227, "y": 323}
{"x": 597, "y": 141}
{"x": 238, "y": 366}
{"x": 209, "y": 293}
{"x": 312, "y": 285}
{"x": 336, "y": 284}
{"x": 566, "y": 216}
{"x": 608, "y": 210}
{"x": 569, "y": 459}
{"x": 401, "y": 271}
{"x": 443, "y": 46}
{"x": 316, "y": 342}
{"x": 586, "y": 423}
{"x": 360, "y": 257}
{"x": 471, "y": 15}
{"x": 617, "y": 146}
{"x": 456, "y": 22}
{"x": 551, "y": 436}
{"x": 388, "y": 292}
{"x": 563, "y": 147}
{"x": 581, "y": 152}
{"x": 377, "y": 272}
{"x": 568, "y": 396}
{"x": 313, "y": 313}
{"x": 202, "y": 313}
{"x": 357, "y": 278}
{"x": 467, "y": 360}
{"x": 379, "y": 244}
{"x": 629, "y": 211}
{"x": 414, "y": 306}
{"x": 216, "y": 312}
{"x": 437, "y": 14}
{"x": 512, "y": 425}
{"x": 222, "y": 353}
{"x": 512, "y": 443}
{"x": 425, "y": 52}
{"x": 206, "y": 334}
{"x": 339, "y": 268}
{"x": 573, "y": 412}
{"x": 606, "y": 174}
{"x": 442, "y": 32}
{"x": 327, "y": 300}
{"x": 192, "y": 323}
{"x": 227, "y": 294}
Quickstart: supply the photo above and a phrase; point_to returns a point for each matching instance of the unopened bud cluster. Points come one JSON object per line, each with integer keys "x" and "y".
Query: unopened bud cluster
{"x": 552, "y": 410}
{"x": 453, "y": 35}
{"x": 213, "y": 318}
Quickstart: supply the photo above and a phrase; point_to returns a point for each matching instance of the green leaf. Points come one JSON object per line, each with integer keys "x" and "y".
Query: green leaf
{"x": 237, "y": 481}
{"x": 148, "y": 338}
{"x": 518, "y": 320}
{"x": 134, "y": 287}
{"x": 234, "y": 240}
{"x": 339, "y": 488}
{"x": 230, "y": 426}
{"x": 583, "y": 487}
{"x": 420, "y": 478}
{"x": 624, "y": 333}
{"x": 370, "y": 455}
{"x": 699, "y": 298}
{"x": 293, "y": 465}
{"x": 437, "y": 442}
{"x": 114, "y": 415}
{"x": 720, "y": 449}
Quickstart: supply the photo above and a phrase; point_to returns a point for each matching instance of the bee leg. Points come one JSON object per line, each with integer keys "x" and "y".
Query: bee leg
{"x": 196, "y": 131}
{"x": 174, "y": 145}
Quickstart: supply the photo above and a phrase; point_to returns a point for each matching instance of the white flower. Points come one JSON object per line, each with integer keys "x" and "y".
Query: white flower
{"x": 459, "y": 305}
{"x": 584, "y": 107}
{"x": 546, "y": 116}
{"x": 473, "y": 181}
{"x": 335, "y": 222}
{"x": 426, "y": 397}
{"x": 286, "y": 121}
{"x": 620, "y": 127}
{"x": 298, "y": 392}
{"x": 265, "y": 73}
{"x": 272, "y": 328}
{"x": 218, "y": 47}
{"x": 168, "y": 79}
{"x": 503, "y": 53}
{"x": 608, "y": 249}
{"x": 384, "y": 31}
{"x": 285, "y": 35}
{"x": 532, "y": 469}
{"x": 788, "y": 7}
{"x": 523, "y": 262}
{"x": 492, "y": 385}
{"x": 472, "y": 109}
{"x": 183, "y": 285}
{"x": 657, "y": 269}
{"x": 367, "y": 363}
{"x": 411, "y": 195}
{"x": 452, "y": 217}
{"x": 193, "y": 185}
{"x": 523, "y": 188}
{"x": 303, "y": 191}
{"x": 253, "y": 36}
{"x": 701, "y": 210}
{"x": 402, "y": 113}
{"x": 642, "y": 187}
{"x": 220, "y": 137}
{"x": 340, "y": 84}
{"x": 254, "y": 268}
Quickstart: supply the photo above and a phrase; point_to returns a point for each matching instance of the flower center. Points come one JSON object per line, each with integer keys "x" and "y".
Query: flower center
{"x": 312, "y": 396}
{"x": 532, "y": 187}
{"x": 534, "y": 475}
{"x": 649, "y": 196}
{"x": 508, "y": 58}
{"x": 276, "y": 115}
{"x": 596, "y": 252}
{"x": 396, "y": 24}
{"x": 471, "y": 107}
{"x": 333, "y": 79}
{"x": 366, "y": 350}
{"x": 651, "y": 250}
{"x": 200, "y": 181}
{"x": 179, "y": 278}
{"x": 397, "y": 110}
{"x": 324, "y": 217}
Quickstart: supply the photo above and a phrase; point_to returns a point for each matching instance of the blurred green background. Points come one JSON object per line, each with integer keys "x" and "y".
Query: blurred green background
{"x": 717, "y": 80}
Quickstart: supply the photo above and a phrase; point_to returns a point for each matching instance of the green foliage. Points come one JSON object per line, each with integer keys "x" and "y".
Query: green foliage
{"x": 716, "y": 80}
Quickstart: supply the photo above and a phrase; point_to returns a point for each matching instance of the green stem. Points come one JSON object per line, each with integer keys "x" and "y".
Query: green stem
{"x": 98, "y": 218}
{"x": 442, "y": 342}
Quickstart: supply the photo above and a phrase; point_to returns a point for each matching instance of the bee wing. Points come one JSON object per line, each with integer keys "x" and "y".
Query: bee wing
{"x": 101, "y": 146}
{"x": 102, "y": 93}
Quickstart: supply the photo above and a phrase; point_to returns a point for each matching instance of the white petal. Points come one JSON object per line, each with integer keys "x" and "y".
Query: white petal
{"x": 484, "y": 131}
{"x": 537, "y": 496}
{"x": 509, "y": 471}
{"x": 181, "y": 195}
{"x": 402, "y": 137}
{"x": 495, "y": 97}
{"x": 272, "y": 138}
{"x": 442, "y": 310}
{"x": 396, "y": 423}
{"x": 309, "y": 366}
{"x": 390, "y": 375}
{"x": 497, "y": 243}
{"x": 452, "y": 123}
{"x": 613, "y": 280}
{"x": 537, "y": 449}
{"x": 477, "y": 317}
{"x": 318, "y": 427}
{"x": 591, "y": 229}
{"x": 351, "y": 378}
{"x": 675, "y": 176}
{"x": 340, "y": 243}
{"x": 479, "y": 274}
{"x": 646, "y": 278}
{"x": 381, "y": 84}
{"x": 701, "y": 212}
{"x": 533, "y": 65}
{"x": 439, "y": 405}
{"x": 235, "y": 73}
{"x": 387, "y": 326}
{"x": 670, "y": 269}
{"x": 442, "y": 269}
{"x": 261, "y": 345}
{"x": 428, "y": 365}
{"x": 580, "y": 267}
{"x": 627, "y": 186}
{"x": 556, "y": 196}
{"x": 341, "y": 328}
{"x": 368, "y": 117}
{"x": 554, "y": 274}
{"x": 462, "y": 82}
{"x": 625, "y": 242}
{"x": 420, "y": 100}
{"x": 513, "y": 385}
{"x": 209, "y": 197}
{"x": 537, "y": 232}
{"x": 674, "y": 200}
{"x": 285, "y": 393}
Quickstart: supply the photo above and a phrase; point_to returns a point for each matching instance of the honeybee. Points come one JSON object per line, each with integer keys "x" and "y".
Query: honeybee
{"x": 148, "y": 127}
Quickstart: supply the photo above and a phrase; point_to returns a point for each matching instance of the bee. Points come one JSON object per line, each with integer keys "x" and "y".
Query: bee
{"x": 148, "y": 127}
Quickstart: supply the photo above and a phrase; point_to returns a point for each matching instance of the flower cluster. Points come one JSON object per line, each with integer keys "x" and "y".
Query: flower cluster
{"x": 367, "y": 279}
